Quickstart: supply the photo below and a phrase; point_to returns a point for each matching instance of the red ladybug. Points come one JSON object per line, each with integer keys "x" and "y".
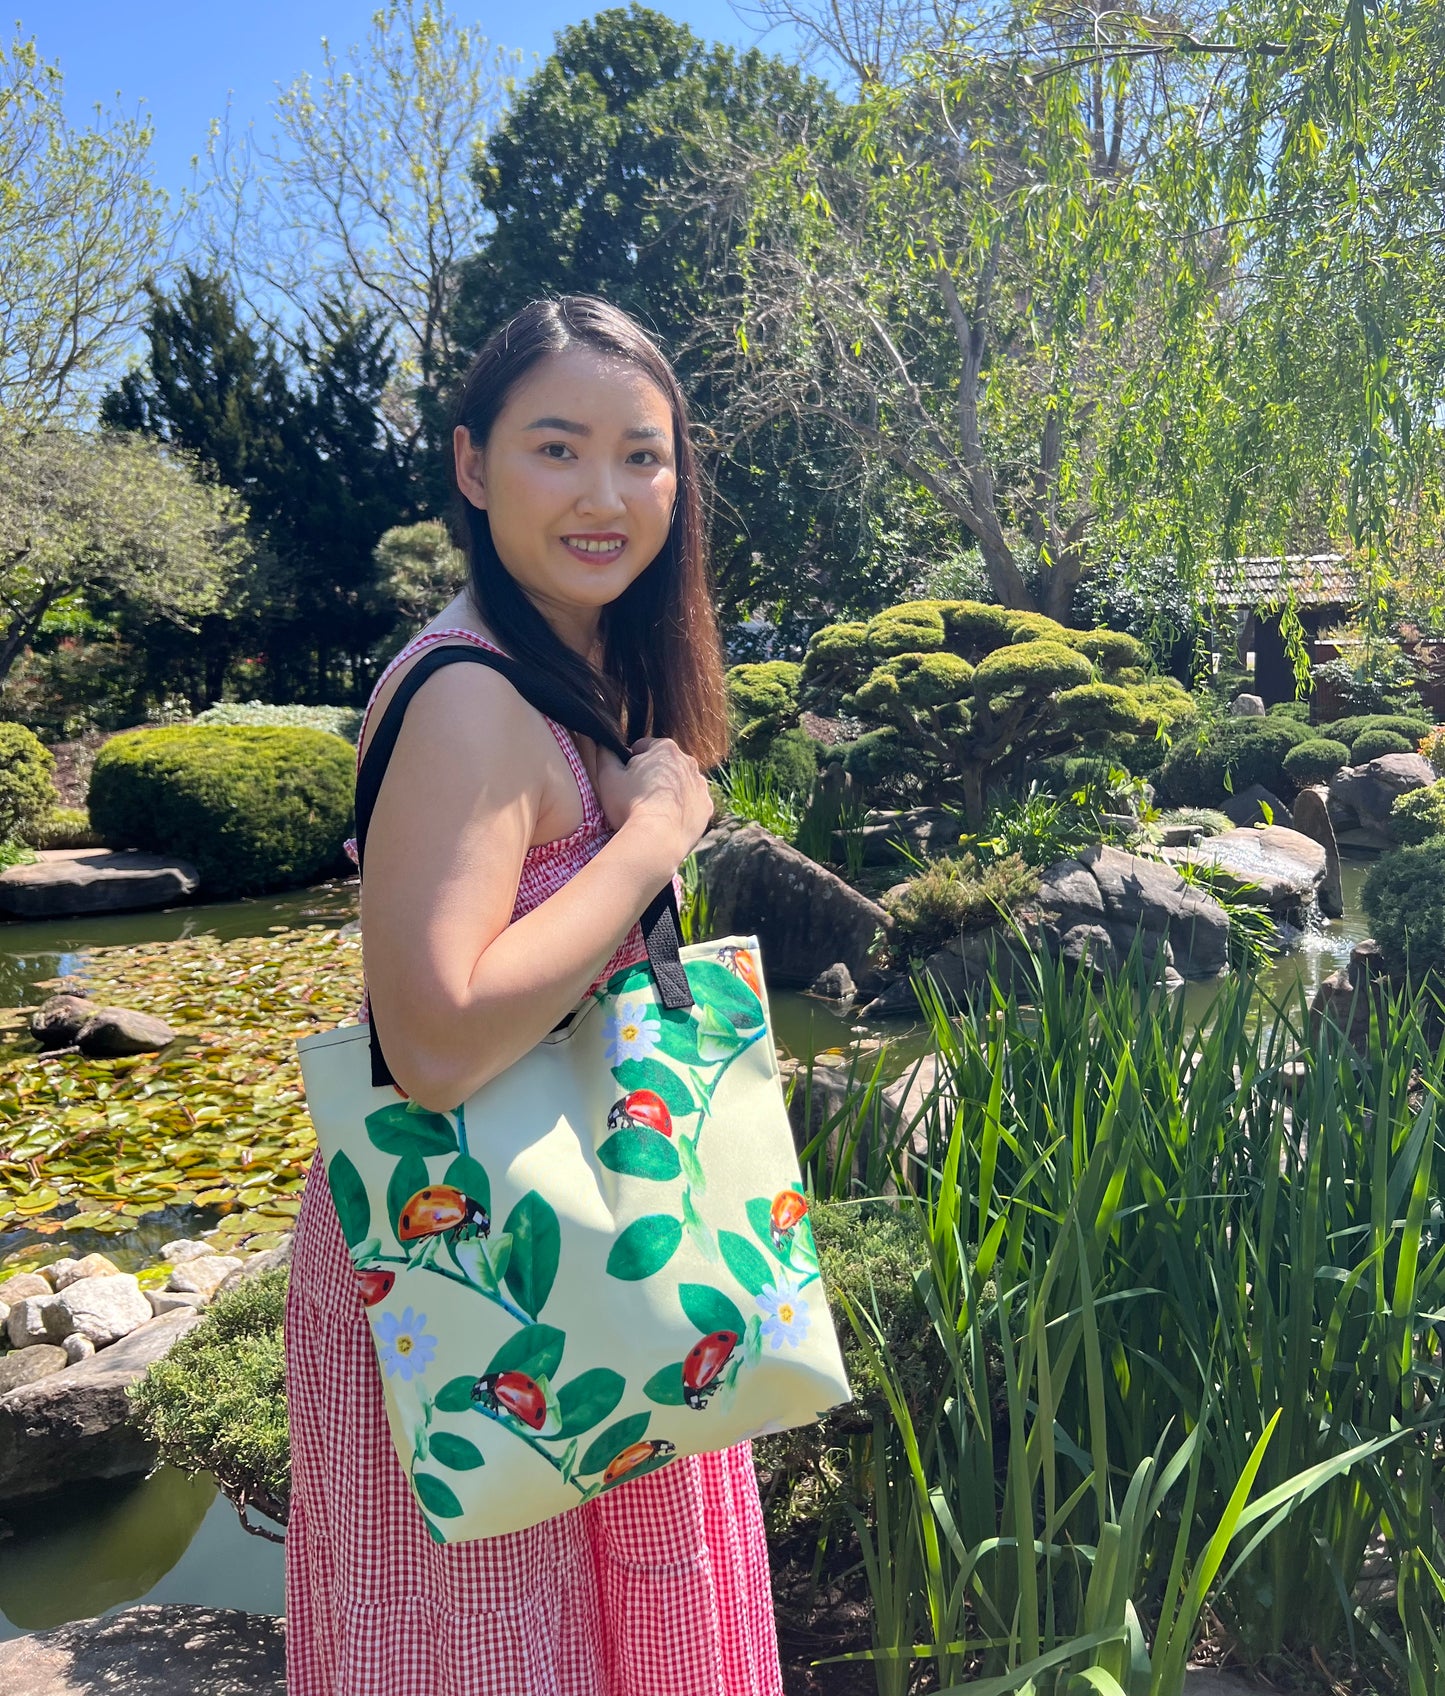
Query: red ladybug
{"x": 642, "y": 1107}
{"x": 634, "y": 1455}
{"x": 375, "y": 1283}
{"x": 440, "y": 1208}
{"x": 740, "y": 961}
{"x": 787, "y": 1209}
{"x": 514, "y": 1393}
{"x": 703, "y": 1369}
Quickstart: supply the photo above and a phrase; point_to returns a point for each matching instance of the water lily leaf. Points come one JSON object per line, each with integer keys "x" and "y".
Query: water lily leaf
{"x": 456, "y": 1452}
{"x": 535, "y": 1350}
{"x": 744, "y": 1262}
{"x": 640, "y": 1152}
{"x": 536, "y": 1248}
{"x": 403, "y": 1128}
{"x": 709, "y": 1309}
{"x": 645, "y": 1246}
{"x": 436, "y": 1497}
{"x": 588, "y": 1399}
{"x": 603, "y": 1450}
{"x": 653, "y": 1075}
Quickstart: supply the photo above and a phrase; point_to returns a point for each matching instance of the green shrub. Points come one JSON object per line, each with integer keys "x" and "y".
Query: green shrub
{"x": 1404, "y": 896}
{"x": 1347, "y": 729}
{"x": 1374, "y": 744}
{"x": 1315, "y": 761}
{"x": 955, "y": 895}
{"x": 749, "y": 791}
{"x": 340, "y": 721}
{"x": 217, "y": 1401}
{"x": 63, "y": 827}
{"x": 1299, "y": 711}
{"x": 26, "y": 792}
{"x": 792, "y": 761}
{"x": 1433, "y": 748}
{"x": 1208, "y": 819}
{"x": 1235, "y": 753}
{"x": 1419, "y": 816}
{"x": 252, "y": 809}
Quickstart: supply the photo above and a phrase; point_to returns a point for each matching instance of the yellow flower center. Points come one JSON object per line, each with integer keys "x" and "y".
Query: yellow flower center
{"x": 404, "y": 1345}
{"x": 785, "y": 1312}
{"x": 629, "y": 1033}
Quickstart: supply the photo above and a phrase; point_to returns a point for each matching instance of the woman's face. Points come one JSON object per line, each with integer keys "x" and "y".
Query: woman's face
{"x": 577, "y": 479}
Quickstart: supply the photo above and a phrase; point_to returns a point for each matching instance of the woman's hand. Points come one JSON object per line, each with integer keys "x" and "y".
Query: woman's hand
{"x": 660, "y": 790}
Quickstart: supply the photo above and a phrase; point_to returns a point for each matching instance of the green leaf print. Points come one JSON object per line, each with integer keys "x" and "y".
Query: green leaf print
{"x": 653, "y": 1075}
{"x": 455, "y": 1396}
{"x": 640, "y": 1152}
{"x": 535, "y": 1350}
{"x": 645, "y": 1246}
{"x": 714, "y": 985}
{"x": 665, "y": 1387}
{"x": 408, "y": 1176}
{"x": 717, "y": 1037}
{"x": 626, "y": 982}
{"x": 709, "y": 1309}
{"x": 456, "y": 1452}
{"x": 435, "y": 1496}
{"x": 476, "y": 1264}
{"x": 760, "y": 1216}
{"x": 536, "y": 1248}
{"x": 470, "y": 1177}
{"x": 603, "y": 1450}
{"x": 678, "y": 1040}
{"x": 588, "y": 1399}
{"x": 403, "y": 1128}
{"x": 744, "y": 1262}
{"x": 691, "y": 1165}
{"x": 349, "y": 1194}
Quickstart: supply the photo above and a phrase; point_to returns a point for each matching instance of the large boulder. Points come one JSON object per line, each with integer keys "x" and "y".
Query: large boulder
{"x": 1285, "y": 867}
{"x": 76, "y": 1424}
{"x": 170, "y": 1650}
{"x": 921, "y": 830}
{"x": 1361, "y": 797}
{"x": 105, "y": 1308}
{"x": 1132, "y": 895}
{"x": 94, "y": 880}
{"x": 1312, "y": 819}
{"x": 57, "y": 1019}
{"x": 1255, "y": 805}
{"x": 29, "y": 1366}
{"x": 111, "y": 1032}
{"x": 804, "y": 916}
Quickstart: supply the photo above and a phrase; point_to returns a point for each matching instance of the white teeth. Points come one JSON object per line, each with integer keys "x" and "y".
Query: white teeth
{"x": 590, "y": 547}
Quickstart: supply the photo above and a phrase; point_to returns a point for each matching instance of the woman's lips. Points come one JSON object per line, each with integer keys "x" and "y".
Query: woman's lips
{"x": 596, "y": 555}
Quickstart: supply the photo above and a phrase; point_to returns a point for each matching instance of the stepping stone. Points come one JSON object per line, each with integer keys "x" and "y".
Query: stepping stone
{"x": 171, "y": 1650}
{"x": 94, "y": 880}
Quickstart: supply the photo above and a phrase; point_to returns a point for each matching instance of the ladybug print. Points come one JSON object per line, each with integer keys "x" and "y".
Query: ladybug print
{"x": 438, "y": 1208}
{"x": 741, "y": 962}
{"x": 375, "y": 1283}
{"x": 787, "y": 1209}
{"x": 634, "y": 1455}
{"x": 703, "y": 1369}
{"x": 642, "y": 1107}
{"x": 514, "y": 1393}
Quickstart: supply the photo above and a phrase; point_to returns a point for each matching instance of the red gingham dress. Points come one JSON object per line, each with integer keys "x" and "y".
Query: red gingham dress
{"x": 660, "y": 1587}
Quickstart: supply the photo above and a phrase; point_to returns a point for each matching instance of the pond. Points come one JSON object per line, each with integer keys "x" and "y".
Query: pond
{"x": 105, "y": 1545}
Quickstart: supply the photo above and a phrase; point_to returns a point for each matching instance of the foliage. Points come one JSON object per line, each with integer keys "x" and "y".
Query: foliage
{"x": 109, "y": 517}
{"x": 792, "y": 760}
{"x": 693, "y": 909}
{"x": 418, "y": 572}
{"x": 1404, "y": 896}
{"x": 1253, "y": 937}
{"x": 1038, "y": 829}
{"x": 1432, "y": 747}
{"x": 62, "y": 827}
{"x": 1349, "y": 730}
{"x": 1371, "y": 678}
{"x": 1229, "y": 756}
{"x": 250, "y": 808}
{"x": 83, "y": 228}
{"x": 221, "y": 1126}
{"x": 1372, "y": 744}
{"x": 763, "y": 698}
{"x": 750, "y": 791}
{"x": 337, "y": 721}
{"x": 952, "y": 693}
{"x": 1419, "y": 815}
{"x": 955, "y": 894}
{"x": 1207, "y": 819}
{"x": 1299, "y": 711}
{"x": 216, "y": 1402}
{"x": 1314, "y": 761}
{"x": 26, "y": 791}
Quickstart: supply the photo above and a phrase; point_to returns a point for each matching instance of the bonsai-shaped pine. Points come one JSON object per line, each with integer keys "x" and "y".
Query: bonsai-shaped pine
{"x": 950, "y": 692}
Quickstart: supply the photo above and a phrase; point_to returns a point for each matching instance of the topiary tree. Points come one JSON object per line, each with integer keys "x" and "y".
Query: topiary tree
{"x": 763, "y": 697}
{"x": 26, "y": 792}
{"x": 1236, "y": 753}
{"x": 951, "y": 691}
{"x": 253, "y": 808}
{"x": 1419, "y": 815}
{"x": 1315, "y": 761}
{"x": 1374, "y": 744}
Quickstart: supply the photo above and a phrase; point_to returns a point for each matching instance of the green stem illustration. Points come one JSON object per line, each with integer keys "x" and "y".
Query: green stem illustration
{"x": 533, "y": 1444}
{"x": 455, "y": 1278}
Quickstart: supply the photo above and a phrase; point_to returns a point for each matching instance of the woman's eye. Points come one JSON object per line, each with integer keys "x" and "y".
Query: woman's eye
{"x": 561, "y": 450}
{"x": 645, "y": 455}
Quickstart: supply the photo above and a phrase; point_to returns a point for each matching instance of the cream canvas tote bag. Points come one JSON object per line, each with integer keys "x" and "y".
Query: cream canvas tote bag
{"x": 602, "y": 1260}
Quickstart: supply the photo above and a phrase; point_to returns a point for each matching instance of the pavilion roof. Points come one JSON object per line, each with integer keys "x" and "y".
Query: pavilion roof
{"x": 1311, "y": 580}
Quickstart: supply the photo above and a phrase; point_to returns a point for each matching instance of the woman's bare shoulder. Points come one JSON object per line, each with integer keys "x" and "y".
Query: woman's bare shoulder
{"x": 482, "y": 699}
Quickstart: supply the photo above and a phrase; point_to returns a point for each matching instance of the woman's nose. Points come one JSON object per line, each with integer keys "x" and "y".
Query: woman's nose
{"x": 601, "y": 492}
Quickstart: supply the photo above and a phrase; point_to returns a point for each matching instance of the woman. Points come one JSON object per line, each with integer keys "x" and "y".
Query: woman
{"x": 506, "y": 866}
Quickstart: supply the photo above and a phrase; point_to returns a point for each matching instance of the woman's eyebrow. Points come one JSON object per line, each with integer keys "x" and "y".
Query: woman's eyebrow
{"x": 643, "y": 433}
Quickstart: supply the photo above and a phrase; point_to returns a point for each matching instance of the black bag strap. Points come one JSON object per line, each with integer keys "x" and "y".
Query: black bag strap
{"x": 661, "y": 923}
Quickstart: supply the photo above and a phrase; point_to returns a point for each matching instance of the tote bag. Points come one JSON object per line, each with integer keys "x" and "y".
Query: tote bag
{"x": 602, "y": 1260}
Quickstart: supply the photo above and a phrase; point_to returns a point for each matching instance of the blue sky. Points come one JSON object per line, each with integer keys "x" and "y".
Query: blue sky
{"x": 183, "y": 57}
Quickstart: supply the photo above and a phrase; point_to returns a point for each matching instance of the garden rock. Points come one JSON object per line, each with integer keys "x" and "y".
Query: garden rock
{"x": 170, "y": 1650}
{"x": 94, "y": 880}
{"x": 204, "y": 1275}
{"x": 75, "y": 1423}
{"x": 116, "y": 1031}
{"x": 171, "y": 1301}
{"x": 1149, "y": 896}
{"x": 77, "y": 1348}
{"x": 21, "y": 1284}
{"x": 834, "y": 984}
{"x": 922, "y": 830}
{"x": 1090, "y": 946}
{"x": 1248, "y": 706}
{"x": 1346, "y": 999}
{"x": 254, "y": 1265}
{"x": 1361, "y": 797}
{"x": 58, "y": 1019}
{"x": 1312, "y": 819}
{"x": 67, "y": 1272}
{"x": 28, "y": 1366}
{"x": 107, "y": 1308}
{"x": 805, "y": 917}
{"x": 1285, "y": 866}
{"x": 184, "y": 1249}
{"x": 1248, "y": 807}
{"x": 38, "y": 1319}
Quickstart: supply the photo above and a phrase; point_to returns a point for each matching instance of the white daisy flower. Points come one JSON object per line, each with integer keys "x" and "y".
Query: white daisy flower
{"x": 785, "y": 1315}
{"x": 405, "y": 1345}
{"x": 632, "y": 1031}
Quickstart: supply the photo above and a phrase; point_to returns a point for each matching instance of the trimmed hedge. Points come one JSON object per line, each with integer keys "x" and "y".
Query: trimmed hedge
{"x": 792, "y": 761}
{"x": 1315, "y": 761}
{"x": 1374, "y": 744}
{"x": 251, "y": 809}
{"x": 340, "y": 721}
{"x": 1419, "y": 816}
{"x": 1347, "y": 730}
{"x": 26, "y": 792}
{"x": 1238, "y": 752}
{"x": 1404, "y": 896}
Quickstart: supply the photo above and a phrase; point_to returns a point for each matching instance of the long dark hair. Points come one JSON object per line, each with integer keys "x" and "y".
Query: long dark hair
{"x": 661, "y": 671}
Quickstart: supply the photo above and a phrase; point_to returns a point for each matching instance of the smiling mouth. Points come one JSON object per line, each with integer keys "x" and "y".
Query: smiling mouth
{"x": 589, "y": 547}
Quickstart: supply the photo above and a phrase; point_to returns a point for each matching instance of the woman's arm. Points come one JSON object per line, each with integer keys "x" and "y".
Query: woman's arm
{"x": 458, "y": 992}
